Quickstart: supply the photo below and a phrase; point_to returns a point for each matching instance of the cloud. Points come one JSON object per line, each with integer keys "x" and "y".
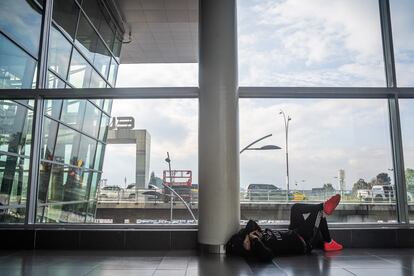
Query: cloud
{"x": 307, "y": 43}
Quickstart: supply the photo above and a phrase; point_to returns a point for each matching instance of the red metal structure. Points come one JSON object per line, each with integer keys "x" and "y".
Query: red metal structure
{"x": 177, "y": 178}
{"x": 180, "y": 181}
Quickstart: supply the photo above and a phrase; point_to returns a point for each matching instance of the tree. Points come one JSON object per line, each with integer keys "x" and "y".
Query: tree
{"x": 409, "y": 179}
{"x": 328, "y": 187}
{"x": 361, "y": 184}
{"x": 383, "y": 179}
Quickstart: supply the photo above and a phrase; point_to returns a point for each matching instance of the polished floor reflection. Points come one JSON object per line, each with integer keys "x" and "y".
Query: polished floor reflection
{"x": 188, "y": 263}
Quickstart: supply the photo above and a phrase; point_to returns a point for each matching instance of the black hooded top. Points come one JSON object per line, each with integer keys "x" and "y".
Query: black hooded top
{"x": 272, "y": 243}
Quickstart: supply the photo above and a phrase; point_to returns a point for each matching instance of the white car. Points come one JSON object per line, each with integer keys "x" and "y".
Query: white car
{"x": 112, "y": 192}
{"x": 152, "y": 193}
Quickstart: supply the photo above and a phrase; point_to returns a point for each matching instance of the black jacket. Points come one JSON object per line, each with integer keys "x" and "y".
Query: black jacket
{"x": 272, "y": 243}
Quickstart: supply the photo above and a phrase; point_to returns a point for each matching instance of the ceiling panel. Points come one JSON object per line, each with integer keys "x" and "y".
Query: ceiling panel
{"x": 162, "y": 31}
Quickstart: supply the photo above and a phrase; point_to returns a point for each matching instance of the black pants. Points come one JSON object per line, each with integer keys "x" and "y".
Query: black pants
{"x": 310, "y": 227}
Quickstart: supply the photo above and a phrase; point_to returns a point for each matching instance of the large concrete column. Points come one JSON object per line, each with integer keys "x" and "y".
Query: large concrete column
{"x": 219, "y": 211}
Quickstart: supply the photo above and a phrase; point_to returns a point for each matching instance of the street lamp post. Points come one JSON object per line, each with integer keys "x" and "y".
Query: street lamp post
{"x": 286, "y": 120}
{"x": 266, "y": 147}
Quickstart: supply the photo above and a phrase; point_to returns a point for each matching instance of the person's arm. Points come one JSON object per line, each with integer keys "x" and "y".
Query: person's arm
{"x": 246, "y": 243}
{"x": 260, "y": 250}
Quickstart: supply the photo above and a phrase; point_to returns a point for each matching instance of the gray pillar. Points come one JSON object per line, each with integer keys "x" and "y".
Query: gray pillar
{"x": 219, "y": 211}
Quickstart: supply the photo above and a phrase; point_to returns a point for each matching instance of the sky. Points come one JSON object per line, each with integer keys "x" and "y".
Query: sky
{"x": 285, "y": 43}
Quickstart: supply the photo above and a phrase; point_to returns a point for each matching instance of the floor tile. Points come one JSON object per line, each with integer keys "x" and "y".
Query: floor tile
{"x": 381, "y": 271}
{"x": 170, "y": 272}
{"x": 121, "y": 272}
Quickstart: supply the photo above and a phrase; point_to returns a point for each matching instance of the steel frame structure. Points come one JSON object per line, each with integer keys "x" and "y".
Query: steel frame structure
{"x": 391, "y": 92}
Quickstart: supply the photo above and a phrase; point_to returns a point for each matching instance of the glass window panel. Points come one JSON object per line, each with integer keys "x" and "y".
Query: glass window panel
{"x": 108, "y": 106}
{"x": 50, "y": 129}
{"x": 117, "y": 45}
{"x": 134, "y": 158}
{"x": 310, "y": 43}
{"x": 103, "y": 132}
{"x": 407, "y": 115}
{"x": 102, "y": 58}
{"x": 73, "y": 112}
{"x": 15, "y": 127}
{"x": 17, "y": 69}
{"x": 44, "y": 178}
{"x": 97, "y": 81}
{"x": 90, "y": 216}
{"x": 86, "y": 38}
{"x": 93, "y": 9}
{"x": 113, "y": 71}
{"x": 53, "y": 108}
{"x": 107, "y": 29}
{"x": 86, "y": 152}
{"x": 91, "y": 121}
{"x": 54, "y": 81}
{"x": 67, "y": 146}
{"x": 59, "y": 53}
{"x": 65, "y": 14}
{"x": 65, "y": 193}
{"x": 21, "y": 20}
{"x": 80, "y": 71}
{"x": 334, "y": 146}
{"x": 98, "y": 102}
{"x": 14, "y": 174}
{"x": 402, "y": 20}
{"x": 100, "y": 151}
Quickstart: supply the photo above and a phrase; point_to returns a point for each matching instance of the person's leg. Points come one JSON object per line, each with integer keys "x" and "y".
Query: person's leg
{"x": 298, "y": 211}
{"x": 309, "y": 227}
{"x": 323, "y": 228}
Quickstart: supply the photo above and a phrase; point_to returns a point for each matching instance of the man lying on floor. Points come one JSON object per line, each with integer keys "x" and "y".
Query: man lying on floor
{"x": 307, "y": 222}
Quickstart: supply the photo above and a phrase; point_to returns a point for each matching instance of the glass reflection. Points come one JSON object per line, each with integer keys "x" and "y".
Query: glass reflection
{"x": 54, "y": 81}
{"x": 103, "y": 132}
{"x": 65, "y": 14}
{"x": 73, "y": 112}
{"x": 53, "y": 108}
{"x": 80, "y": 71}
{"x": 113, "y": 71}
{"x": 102, "y": 58}
{"x": 15, "y": 128}
{"x": 67, "y": 146}
{"x": 14, "y": 174}
{"x": 97, "y": 81}
{"x": 86, "y": 38}
{"x": 59, "y": 53}
{"x": 91, "y": 121}
{"x": 17, "y": 69}
{"x": 21, "y": 20}
{"x": 86, "y": 152}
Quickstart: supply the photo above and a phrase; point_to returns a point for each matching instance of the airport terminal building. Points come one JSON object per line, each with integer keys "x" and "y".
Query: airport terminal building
{"x": 349, "y": 112}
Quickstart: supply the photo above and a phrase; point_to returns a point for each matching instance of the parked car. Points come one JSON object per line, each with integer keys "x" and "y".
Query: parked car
{"x": 152, "y": 193}
{"x": 263, "y": 192}
{"x": 295, "y": 195}
{"x": 377, "y": 193}
{"x": 110, "y": 192}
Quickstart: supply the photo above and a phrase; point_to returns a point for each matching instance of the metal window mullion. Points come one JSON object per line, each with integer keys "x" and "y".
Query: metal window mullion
{"x": 398, "y": 160}
{"x": 38, "y": 115}
{"x": 387, "y": 43}
{"x": 394, "y": 113}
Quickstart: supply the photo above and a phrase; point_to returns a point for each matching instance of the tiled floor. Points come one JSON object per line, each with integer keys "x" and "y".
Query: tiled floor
{"x": 371, "y": 262}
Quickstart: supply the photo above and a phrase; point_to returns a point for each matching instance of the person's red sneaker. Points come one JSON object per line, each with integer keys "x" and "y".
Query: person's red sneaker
{"x": 330, "y": 205}
{"x": 332, "y": 246}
